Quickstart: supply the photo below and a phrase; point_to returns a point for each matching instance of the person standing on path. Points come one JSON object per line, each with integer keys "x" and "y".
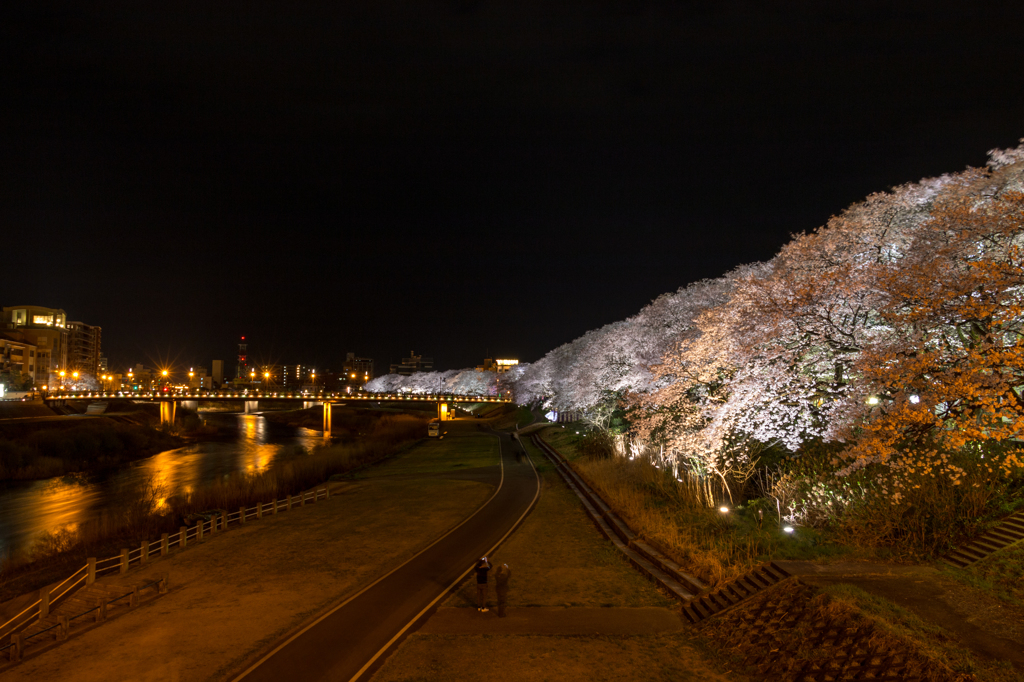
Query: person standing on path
{"x": 482, "y": 566}
{"x": 501, "y": 577}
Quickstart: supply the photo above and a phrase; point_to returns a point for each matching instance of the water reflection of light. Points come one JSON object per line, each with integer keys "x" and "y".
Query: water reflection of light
{"x": 29, "y": 509}
{"x": 26, "y": 512}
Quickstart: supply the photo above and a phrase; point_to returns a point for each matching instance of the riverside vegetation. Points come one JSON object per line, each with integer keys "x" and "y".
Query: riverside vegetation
{"x": 90, "y": 446}
{"x": 670, "y": 508}
{"x": 143, "y": 511}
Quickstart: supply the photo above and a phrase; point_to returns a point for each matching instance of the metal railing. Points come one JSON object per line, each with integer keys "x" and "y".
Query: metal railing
{"x": 87, "y": 574}
{"x": 270, "y": 395}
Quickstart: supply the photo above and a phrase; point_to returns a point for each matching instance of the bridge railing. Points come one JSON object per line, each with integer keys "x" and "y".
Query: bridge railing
{"x": 270, "y": 395}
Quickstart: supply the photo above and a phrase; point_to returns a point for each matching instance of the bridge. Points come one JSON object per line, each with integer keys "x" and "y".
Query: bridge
{"x": 169, "y": 400}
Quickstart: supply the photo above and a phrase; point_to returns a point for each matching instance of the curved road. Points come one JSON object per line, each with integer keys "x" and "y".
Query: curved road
{"x": 349, "y": 640}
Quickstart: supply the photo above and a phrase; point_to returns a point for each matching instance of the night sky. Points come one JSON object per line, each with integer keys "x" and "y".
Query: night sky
{"x": 460, "y": 178}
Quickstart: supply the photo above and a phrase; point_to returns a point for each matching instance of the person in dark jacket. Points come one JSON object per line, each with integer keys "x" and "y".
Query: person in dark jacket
{"x": 501, "y": 577}
{"x": 482, "y": 566}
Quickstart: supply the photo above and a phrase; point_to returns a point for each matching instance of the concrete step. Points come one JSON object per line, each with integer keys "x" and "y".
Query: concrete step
{"x": 1009, "y": 531}
{"x": 1013, "y": 526}
{"x": 1004, "y": 537}
{"x": 735, "y": 592}
{"x": 988, "y": 544}
{"x": 973, "y": 553}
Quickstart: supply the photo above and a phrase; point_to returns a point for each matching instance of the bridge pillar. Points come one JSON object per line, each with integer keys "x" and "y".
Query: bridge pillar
{"x": 167, "y": 410}
{"x": 190, "y": 404}
{"x": 327, "y": 420}
{"x": 444, "y": 412}
{"x": 251, "y": 406}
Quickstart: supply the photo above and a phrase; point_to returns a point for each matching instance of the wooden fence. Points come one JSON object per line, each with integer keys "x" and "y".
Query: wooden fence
{"x": 218, "y": 521}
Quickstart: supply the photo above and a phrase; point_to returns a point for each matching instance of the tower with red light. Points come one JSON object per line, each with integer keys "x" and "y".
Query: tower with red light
{"x": 242, "y": 364}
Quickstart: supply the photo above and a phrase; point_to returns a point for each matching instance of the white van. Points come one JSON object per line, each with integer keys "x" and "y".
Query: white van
{"x": 433, "y": 429}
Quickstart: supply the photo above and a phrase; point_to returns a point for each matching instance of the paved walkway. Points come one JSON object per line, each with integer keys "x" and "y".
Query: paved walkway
{"x": 347, "y": 642}
{"x": 238, "y": 593}
{"x": 555, "y": 620}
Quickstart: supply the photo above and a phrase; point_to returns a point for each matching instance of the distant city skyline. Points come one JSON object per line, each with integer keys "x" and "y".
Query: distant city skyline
{"x": 375, "y": 185}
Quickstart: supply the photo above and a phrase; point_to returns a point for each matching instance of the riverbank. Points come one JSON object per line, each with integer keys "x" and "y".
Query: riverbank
{"x": 38, "y": 450}
{"x": 143, "y": 509}
{"x": 239, "y": 592}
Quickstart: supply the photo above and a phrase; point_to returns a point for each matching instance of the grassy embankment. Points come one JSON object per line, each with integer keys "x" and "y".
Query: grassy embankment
{"x": 718, "y": 546}
{"x": 55, "y": 448}
{"x": 713, "y": 545}
{"x": 238, "y": 593}
{"x": 1000, "y": 574}
{"x": 143, "y": 513}
{"x": 899, "y": 629}
{"x": 558, "y": 559}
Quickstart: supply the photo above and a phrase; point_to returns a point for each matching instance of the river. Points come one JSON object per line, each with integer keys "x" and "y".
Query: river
{"x": 30, "y": 508}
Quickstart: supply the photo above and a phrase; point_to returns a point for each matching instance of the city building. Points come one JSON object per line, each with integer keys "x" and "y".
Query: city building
{"x": 412, "y": 364}
{"x": 358, "y": 370}
{"x": 139, "y": 378}
{"x": 17, "y": 363}
{"x": 267, "y": 377}
{"x": 83, "y": 354}
{"x": 295, "y": 376}
{"x": 199, "y": 379}
{"x": 217, "y": 373}
{"x": 500, "y": 365}
{"x": 46, "y": 329}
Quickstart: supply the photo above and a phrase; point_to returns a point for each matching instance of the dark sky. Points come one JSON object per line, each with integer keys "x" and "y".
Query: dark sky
{"x": 459, "y": 178}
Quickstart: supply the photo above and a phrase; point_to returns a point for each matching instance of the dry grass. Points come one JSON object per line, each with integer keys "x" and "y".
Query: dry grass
{"x": 672, "y": 515}
{"x": 668, "y": 514}
{"x": 142, "y": 513}
{"x": 896, "y": 628}
{"x": 559, "y": 558}
{"x": 1000, "y": 574}
{"x": 242, "y": 591}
